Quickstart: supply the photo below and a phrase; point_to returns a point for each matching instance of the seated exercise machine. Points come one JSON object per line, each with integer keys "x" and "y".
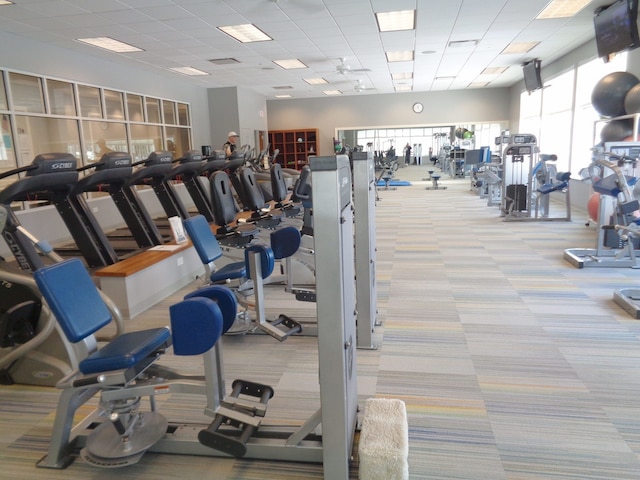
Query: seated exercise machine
{"x": 250, "y": 275}
{"x": 33, "y": 348}
{"x": 118, "y": 432}
{"x": 617, "y": 205}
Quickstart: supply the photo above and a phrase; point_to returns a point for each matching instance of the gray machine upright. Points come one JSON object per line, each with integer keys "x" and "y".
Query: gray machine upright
{"x": 335, "y": 303}
{"x": 364, "y": 201}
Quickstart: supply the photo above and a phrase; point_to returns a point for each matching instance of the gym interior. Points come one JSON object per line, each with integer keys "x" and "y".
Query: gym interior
{"x": 466, "y": 309}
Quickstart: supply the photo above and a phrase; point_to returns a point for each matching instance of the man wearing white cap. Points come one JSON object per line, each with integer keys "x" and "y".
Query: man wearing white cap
{"x": 230, "y": 146}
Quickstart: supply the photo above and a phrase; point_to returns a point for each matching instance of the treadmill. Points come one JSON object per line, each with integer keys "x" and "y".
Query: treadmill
{"x": 111, "y": 175}
{"x": 51, "y": 177}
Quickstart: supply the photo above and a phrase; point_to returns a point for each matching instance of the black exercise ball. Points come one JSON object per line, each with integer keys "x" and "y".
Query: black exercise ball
{"x": 617, "y": 130}
{"x": 632, "y": 100}
{"x": 609, "y": 94}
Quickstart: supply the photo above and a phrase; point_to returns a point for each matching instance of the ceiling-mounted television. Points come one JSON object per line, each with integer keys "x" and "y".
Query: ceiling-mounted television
{"x": 531, "y": 74}
{"x": 616, "y": 28}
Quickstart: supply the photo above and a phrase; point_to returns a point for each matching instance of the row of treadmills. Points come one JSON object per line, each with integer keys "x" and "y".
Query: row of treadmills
{"x": 219, "y": 188}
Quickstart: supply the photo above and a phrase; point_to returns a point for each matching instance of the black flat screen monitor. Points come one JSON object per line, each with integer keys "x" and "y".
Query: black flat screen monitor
{"x": 531, "y": 74}
{"x": 616, "y": 28}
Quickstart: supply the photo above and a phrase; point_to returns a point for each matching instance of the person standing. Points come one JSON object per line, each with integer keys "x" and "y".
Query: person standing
{"x": 230, "y": 146}
{"x": 407, "y": 154}
{"x": 419, "y": 154}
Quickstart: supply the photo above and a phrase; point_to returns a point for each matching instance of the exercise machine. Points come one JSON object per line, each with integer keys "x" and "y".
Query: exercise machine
{"x": 33, "y": 348}
{"x": 118, "y": 432}
{"x": 519, "y": 155}
{"x": 364, "y": 202}
{"x": 611, "y": 177}
{"x": 51, "y": 177}
{"x": 111, "y": 174}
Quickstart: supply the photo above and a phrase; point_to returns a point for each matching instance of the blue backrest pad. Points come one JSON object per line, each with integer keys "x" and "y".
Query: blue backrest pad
{"x": 285, "y": 242}
{"x": 225, "y": 299}
{"x": 203, "y": 239}
{"x": 73, "y": 298}
{"x": 196, "y": 325}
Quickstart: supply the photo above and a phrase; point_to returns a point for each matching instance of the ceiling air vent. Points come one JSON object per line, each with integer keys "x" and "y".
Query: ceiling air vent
{"x": 224, "y": 61}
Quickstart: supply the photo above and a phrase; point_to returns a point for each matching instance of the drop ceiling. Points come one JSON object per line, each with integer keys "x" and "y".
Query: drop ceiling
{"x": 454, "y": 41}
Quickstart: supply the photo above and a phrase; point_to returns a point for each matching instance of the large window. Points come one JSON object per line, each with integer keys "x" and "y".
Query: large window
{"x": 561, "y": 114}
{"x": 44, "y": 115}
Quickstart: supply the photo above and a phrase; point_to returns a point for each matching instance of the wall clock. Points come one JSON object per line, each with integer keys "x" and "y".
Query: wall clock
{"x": 417, "y": 107}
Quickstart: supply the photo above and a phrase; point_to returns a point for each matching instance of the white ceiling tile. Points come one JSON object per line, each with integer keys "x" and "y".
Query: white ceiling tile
{"x": 320, "y": 32}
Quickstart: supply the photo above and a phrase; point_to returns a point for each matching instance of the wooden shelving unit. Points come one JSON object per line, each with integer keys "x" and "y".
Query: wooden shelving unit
{"x": 295, "y": 146}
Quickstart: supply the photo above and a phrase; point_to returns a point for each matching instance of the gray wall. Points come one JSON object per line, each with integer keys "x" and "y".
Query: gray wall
{"x": 237, "y": 109}
{"x": 330, "y": 114}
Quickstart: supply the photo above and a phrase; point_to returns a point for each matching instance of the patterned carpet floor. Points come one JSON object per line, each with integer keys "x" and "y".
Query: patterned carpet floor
{"x": 512, "y": 363}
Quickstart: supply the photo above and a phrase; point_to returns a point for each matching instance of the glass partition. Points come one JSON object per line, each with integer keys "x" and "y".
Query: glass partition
{"x": 61, "y": 98}
{"x": 183, "y": 114}
{"x": 7, "y": 152}
{"x": 153, "y": 110}
{"x": 169, "y": 112}
{"x": 114, "y": 105}
{"x": 103, "y": 137}
{"x": 90, "y": 104}
{"x": 3, "y": 94}
{"x": 26, "y": 93}
{"x": 134, "y": 108}
{"x": 144, "y": 140}
{"x": 178, "y": 141}
{"x": 38, "y": 135}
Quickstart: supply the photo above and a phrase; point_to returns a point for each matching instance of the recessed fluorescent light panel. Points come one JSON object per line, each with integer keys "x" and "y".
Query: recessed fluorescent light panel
{"x": 332, "y": 92}
{"x": 478, "y": 84}
{"x": 402, "y": 88}
{"x": 110, "y": 44}
{"x": 290, "y": 64}
{"x": 400, "y": 56}
{"x": 562, "y": 9}
{"x": 402, "y": 76}
{"x": 188, "y": 71}
{"x": 315, "y": 81}
{"x": 493, "y": 70}
{"x": 518, "y": 47}
{"x": 246, "y": 33}
{"x": 283, "y": 96}
{"x": 5, "y": 2}
{"x": 395, "y": 21}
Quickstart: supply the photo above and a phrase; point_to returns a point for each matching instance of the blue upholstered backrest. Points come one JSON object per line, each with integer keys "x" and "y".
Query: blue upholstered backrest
{"x": 285, "y": 242}
{"x": 203, "y": 239}
{"x": 73, "y": 298}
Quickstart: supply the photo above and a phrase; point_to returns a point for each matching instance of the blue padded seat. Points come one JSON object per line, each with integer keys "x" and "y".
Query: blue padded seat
{"x": 78, "y": 307}
{"x": 562, "y": 183}
{"x": 208, "y": 249}
{"x": 127, "y": 350}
